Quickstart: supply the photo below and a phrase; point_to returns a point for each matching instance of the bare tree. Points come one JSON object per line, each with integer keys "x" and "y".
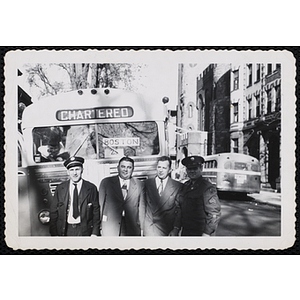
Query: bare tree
{"x": 112, "y": 75}
{"x": 82, "y": 76}
{"x": 37, "y": 76}
{"x": 78, "y": 74}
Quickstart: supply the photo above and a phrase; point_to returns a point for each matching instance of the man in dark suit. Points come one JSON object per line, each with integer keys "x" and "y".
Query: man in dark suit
{"x": 160, "y": 195}
{"x": 120, "y": 197}
{"x": 75, "y": 209}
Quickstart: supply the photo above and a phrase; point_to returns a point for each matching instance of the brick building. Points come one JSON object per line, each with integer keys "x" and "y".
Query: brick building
{"x": 237, "y": 108}
{"x": 203, "y": 109}
{"x": 213, "y": 94}
{"x": 255, "y": 116}
{"x": 191, "y": 139}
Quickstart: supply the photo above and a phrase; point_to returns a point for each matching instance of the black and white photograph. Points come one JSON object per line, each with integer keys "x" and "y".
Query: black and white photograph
{"x": 150, "y": 149}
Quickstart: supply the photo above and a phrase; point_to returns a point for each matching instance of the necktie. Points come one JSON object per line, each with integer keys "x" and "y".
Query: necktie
{"x": 75, "y": 202}
{"x": 124, "y": 190}
{"x": 160, "y": 187}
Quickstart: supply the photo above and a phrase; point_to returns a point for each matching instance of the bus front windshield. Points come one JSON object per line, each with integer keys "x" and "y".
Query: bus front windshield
{"x": 95, "y": 141}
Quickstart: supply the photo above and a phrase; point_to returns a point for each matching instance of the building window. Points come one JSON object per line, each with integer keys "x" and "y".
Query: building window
{"x": 269, "y": 104}
{"x": 235, "y": 112}
{"x": 257, "y": 72}
{"x": 278, "y": 67}
{"x": 236, "y": 80}
{"x": 269, "y": 69}
{"x": 190, "y": 110}
{"x": 235, "y": 147}
{"x": 257, "y": 105}
{"x": 249, "y": 108}
{"x": 249, "y": 74}
{"x": 200, "y": 102}
{"x": 278, "y": 98}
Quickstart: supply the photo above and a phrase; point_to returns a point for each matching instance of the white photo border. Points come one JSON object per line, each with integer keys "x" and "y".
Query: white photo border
{"x": 288, "y": 120}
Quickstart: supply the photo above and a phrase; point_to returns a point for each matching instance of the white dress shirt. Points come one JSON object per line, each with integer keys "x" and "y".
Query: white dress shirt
{"x": 158, "y": 182}
{"x": 122, "y": 181}
{"x": 71, "y": 220}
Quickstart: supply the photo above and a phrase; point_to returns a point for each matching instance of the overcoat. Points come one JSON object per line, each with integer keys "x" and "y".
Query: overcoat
{"x": 199, "y": 208}
{"x": 113, "y": 206}
{"x": 160, "y": 211}
{"x": 89, "y": 209}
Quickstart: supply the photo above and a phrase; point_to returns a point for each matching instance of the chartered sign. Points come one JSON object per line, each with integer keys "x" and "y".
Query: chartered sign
{"x": 94, "y": 113}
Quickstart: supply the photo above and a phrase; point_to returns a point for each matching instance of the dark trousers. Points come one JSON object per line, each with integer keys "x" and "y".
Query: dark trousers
{"x": 74, "y": 230}
{"x": 123, "y": 231}
{"x": 127, "y": 228}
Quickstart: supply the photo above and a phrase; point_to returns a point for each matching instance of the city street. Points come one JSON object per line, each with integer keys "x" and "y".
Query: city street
{"x": 254, "y": 215}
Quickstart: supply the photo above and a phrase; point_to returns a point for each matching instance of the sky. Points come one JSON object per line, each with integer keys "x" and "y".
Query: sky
{"x": 155, "y": 81}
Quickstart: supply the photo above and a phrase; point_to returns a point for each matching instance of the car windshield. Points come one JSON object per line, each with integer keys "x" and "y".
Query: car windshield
{"x": 94, "y": 141}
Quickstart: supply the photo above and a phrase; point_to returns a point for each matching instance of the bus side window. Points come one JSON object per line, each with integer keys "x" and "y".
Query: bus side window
{"x": 19, "y": 157}
{"x": 214, "y": 164}
{"x": 210, "y": 164}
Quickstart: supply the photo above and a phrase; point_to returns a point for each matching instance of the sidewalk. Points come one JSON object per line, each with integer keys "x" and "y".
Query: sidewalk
{"x": 267, "y": 197}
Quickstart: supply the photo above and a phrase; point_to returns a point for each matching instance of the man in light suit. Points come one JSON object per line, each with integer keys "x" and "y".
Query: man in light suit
{"x": 75, "y": 209}
{"x": 120, "y": 197}
{"x": 160, "y": 206}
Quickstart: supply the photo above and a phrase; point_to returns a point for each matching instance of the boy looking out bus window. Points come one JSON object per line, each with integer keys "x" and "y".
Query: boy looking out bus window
{"x": 52, "y": 148}
{"x": 53, "y": 152}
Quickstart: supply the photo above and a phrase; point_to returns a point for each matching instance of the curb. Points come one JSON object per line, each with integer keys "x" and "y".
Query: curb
{"x": 273, "y": 203}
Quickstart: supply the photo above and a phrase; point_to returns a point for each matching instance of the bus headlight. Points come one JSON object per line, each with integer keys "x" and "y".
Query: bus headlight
{"x": 225, "y": 180}
{"x": 225, "y": 183}
{"x": 44, "y": 192}
{"x": 44, "y": 216}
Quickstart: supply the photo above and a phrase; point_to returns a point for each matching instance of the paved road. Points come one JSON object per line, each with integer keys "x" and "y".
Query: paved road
{"x": 249, "y": 217}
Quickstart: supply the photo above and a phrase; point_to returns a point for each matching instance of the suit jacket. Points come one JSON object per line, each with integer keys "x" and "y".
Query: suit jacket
{"x": 160, "y": 211}
{"x": 113, "y": 204}
{"x": 89, "y": 209}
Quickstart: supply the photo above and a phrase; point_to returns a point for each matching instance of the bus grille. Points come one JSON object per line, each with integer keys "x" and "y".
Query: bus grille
{"x": 53, "y": 186}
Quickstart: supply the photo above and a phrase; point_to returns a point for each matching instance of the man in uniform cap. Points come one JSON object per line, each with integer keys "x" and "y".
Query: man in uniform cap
{"x": 199, "y": 208}
{"x": 75, "y": 209}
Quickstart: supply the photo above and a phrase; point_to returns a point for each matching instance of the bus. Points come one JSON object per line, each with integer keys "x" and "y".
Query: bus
{"x": 101, "y": 125}
{"x": 233, "y": 172}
